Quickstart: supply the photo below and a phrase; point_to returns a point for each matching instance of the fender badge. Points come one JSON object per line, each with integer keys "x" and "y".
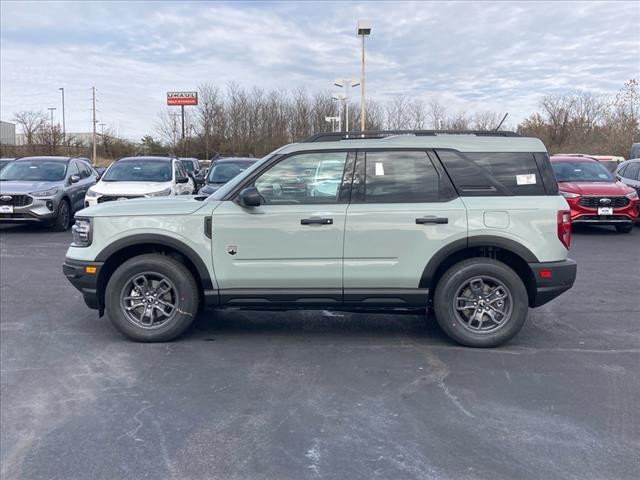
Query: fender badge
{"x": 232, "y": 249}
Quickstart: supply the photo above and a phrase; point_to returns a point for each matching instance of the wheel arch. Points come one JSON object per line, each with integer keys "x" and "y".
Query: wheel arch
{"x": 122, "y": 250}
{"x": 502, "y": 249}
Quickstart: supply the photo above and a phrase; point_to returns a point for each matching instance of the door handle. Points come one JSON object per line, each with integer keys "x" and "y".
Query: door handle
{"x": 316, "y": 221}
{"x": 429, "y": 220}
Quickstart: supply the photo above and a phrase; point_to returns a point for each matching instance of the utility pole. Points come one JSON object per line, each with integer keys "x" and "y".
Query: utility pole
{"x": 51, "y": 109}
{"x": 364, "y": 29}
{"x": 102, "y": 130}
{"x": 64, "y": 125}
{"x": 347, "y": 84}
{"x": 93, "y": 156}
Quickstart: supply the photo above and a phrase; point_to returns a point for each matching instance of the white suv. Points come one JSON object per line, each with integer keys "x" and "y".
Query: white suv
{"x": 470, "y": 225}
{"x": 137, "y": 177}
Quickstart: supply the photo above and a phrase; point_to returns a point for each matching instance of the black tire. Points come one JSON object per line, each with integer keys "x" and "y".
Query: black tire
{"x": 62, "y": 222}
{"x": 454, "y": 281}
{"x": 185, "y": 297}
{"x": 624, "y": 228}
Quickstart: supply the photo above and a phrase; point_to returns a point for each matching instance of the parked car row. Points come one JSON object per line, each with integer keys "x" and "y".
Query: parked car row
{"x": 594, "y": 194}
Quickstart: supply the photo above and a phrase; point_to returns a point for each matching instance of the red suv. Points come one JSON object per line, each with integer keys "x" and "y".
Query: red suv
{"x": 593, "y": 194}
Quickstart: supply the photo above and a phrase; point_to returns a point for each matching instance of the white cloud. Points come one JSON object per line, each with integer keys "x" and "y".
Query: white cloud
{"x": 472, "y": 55}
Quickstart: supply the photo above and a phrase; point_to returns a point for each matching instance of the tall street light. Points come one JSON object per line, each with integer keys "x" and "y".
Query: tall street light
{"x": 64, "y": 126}
{"x": 339, "y": 97}
{"x": 364, "y": 30}
{"x": 347, "y": 84}
{"x": 51, "y": 109}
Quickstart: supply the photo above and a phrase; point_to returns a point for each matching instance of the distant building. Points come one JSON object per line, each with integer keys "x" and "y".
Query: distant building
{"x": 7, "y": 133}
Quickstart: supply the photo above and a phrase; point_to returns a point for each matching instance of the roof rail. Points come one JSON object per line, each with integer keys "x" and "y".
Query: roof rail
{"x": 337, "y": 136}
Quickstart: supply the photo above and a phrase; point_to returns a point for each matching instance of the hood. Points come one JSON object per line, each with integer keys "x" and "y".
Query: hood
{"x": 171, "y": 205}
{"x": 22, "y": 186}
{"x": 129, "y": 188}
{"x": 595, "y": 188}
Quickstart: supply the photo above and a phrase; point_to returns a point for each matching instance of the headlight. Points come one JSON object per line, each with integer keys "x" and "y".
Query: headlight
{"x": 569, "y": 194}
{"x": 91, "y": 193}
{"x": 45, "y": 193}
{"x": 81, "y": 231}
{"x": 632, "y": 195}
{"x": 161, "y": 193}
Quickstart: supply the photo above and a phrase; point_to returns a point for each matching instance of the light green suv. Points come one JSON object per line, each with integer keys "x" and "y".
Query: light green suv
{"x": 469, "y": 224}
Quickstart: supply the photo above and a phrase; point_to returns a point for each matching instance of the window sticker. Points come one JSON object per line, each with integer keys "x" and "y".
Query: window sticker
{"x": 379, "y": 169}
{"x": 603, "y": 175}
{"x": 528, "y": 179}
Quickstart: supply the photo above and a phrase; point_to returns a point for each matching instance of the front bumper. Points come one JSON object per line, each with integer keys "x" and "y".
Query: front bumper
{"x": 551, "y": 280}
{"x": 586, "y": 215}
{"x": 39, "y": 210}
{"x": 85, "y": 282}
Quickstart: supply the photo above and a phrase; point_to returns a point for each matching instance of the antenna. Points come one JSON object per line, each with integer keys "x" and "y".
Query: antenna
{"x": 502, "y": 121}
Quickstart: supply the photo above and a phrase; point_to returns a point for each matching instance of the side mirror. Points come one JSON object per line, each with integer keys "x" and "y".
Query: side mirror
{"x": 250, "y": 197}
{"x": 182, "y": 179}
{"x": 74, "y": 179}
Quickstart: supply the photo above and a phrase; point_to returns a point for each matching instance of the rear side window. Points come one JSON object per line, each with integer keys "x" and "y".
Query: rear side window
{"x": 398, "y": 177}
{"x": 500, "y": 173}
{"x": 632, "y": 170}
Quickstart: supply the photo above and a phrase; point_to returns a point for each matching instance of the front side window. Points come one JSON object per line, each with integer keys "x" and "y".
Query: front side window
{"x": 581, "y": 171}
{"x": 139, "y": 171}
{"x": 400, "y": 177}
{"x": 306, "y": 178}
{"x": 632, "y": 171}
{"x": 36, "y": 170}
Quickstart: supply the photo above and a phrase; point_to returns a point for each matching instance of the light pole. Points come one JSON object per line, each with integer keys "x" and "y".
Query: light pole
{"x": 332, "y": 121}
{"x": 347, "y": 84}
{"x": 64, "y": 125}
{"x": 339, "y": 97}
{"x": 364, "y": 30}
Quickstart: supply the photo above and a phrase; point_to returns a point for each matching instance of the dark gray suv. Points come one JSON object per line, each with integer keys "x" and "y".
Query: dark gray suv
{"x": 44, "y": 190}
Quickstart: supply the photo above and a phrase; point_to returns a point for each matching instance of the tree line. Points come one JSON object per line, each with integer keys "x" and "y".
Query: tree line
{"x": 234, "y": 120}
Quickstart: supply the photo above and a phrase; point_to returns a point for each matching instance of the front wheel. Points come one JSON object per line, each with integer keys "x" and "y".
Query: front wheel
{"x": 151, "y": 298}
{"x": 62, "y": 220}
{"x": 480, "y": 302}
{"x": 624, "y": 228}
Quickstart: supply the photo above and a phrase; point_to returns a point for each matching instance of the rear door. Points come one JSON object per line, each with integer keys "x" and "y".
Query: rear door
{"x": 403, "y": 210}
{"x": 288, "y": 250}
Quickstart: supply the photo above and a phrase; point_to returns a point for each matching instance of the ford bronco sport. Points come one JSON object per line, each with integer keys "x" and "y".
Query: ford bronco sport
{"x": 470, "y": 224}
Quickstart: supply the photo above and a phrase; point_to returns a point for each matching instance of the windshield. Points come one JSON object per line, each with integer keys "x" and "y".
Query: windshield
{"x": 4, "y": 163}
{"x": 188, "y": 164}
{"x": 35, "y": 171}
{"x": 139, "y": 171}
{"x": 581, "y": 172}
{"x": 223, "y": 172}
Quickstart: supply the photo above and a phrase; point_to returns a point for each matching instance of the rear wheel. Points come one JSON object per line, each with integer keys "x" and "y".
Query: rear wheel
{"x": 63, "y": 217}
{"x": 151, "y": 298}
{"x": 624, "y": 228}
{"x": 481, "y": 302}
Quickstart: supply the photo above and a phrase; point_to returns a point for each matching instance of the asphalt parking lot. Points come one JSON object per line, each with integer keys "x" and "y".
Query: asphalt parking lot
{"x": 297, "y": 395}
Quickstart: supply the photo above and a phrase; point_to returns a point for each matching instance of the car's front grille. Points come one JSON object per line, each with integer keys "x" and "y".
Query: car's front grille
{"x": 109, "y": 198}
{"x": 595, "y": 202}
{"x": 15, "y": 200}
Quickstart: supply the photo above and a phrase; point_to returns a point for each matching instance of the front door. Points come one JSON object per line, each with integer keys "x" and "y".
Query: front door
{"x": 403, "y": 210}
{"x": 288, "y": 250}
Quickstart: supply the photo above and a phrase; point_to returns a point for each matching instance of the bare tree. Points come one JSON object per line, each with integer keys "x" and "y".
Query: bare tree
{"x": 486, "y": 120}
{"x": 437, "y": 115}
{"x": 32, "y": 123}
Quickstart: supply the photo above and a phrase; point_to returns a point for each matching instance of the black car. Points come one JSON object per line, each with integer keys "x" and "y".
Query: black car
{"x": 192, "y": 165}
{"x": 629, "y": 173}
{"x": 223, "y": 170}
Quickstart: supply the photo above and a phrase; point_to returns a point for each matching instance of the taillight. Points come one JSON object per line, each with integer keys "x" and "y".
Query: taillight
{"x": 564, "y": 227}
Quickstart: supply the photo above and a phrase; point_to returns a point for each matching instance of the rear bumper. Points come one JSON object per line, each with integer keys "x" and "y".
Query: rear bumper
{"x": 86, "y": 283}
{"x": 552, "y": 279}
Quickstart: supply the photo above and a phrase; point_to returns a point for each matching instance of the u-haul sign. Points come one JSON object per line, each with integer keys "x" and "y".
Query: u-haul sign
{"x": 182, "y": 98}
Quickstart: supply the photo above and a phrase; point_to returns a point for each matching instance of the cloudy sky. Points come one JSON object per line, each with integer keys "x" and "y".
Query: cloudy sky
{"x": 477, "y": 55}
